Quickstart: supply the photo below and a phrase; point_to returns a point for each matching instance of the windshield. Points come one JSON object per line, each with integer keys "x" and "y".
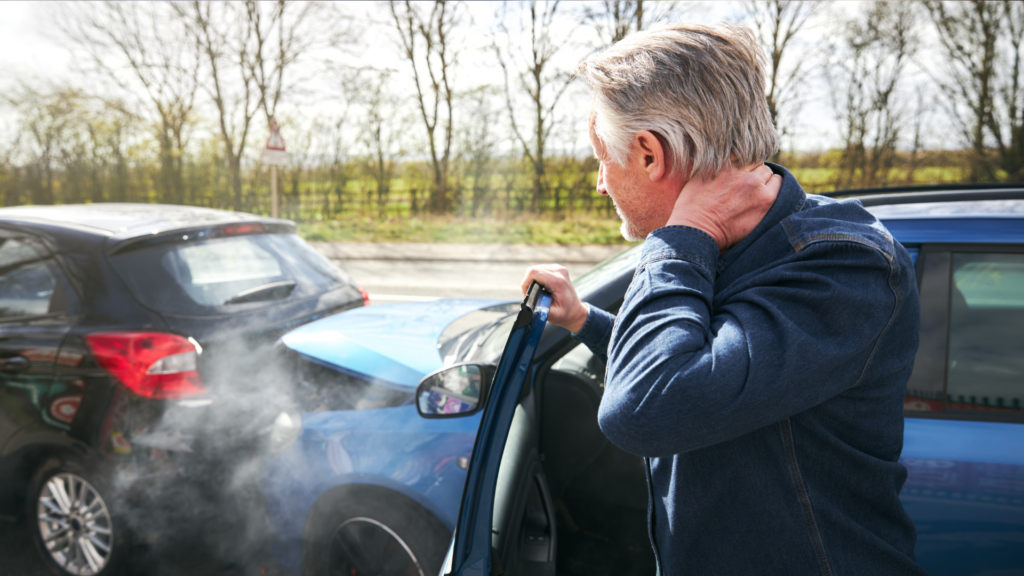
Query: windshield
{"x": 224, "y": 275}
{"x": 467, "y": 337}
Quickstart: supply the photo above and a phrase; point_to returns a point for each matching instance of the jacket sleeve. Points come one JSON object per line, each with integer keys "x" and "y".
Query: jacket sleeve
{"x": 683, "y": 376}
{"x": 596, "y": 332}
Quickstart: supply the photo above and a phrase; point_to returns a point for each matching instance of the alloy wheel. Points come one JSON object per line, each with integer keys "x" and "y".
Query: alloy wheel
{"x": 365, "y": 547}
{"x": 75, "y": 524}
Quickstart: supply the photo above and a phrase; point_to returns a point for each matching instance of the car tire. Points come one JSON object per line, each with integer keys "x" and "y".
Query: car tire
{"x": 357, "y": 530}
{"x": 72, "y": 518}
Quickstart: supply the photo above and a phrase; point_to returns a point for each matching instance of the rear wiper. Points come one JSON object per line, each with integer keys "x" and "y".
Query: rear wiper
{"x": 272, "y": 291}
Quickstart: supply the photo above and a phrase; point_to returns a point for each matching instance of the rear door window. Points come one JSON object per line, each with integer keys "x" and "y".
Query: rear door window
{"x": 225, "y": 275}
{"x": 28, "y": 286}
{"x": 986, "y": 332}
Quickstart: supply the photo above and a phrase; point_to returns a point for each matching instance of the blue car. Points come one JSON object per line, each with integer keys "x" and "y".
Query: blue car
{"x": 415, "y": 422}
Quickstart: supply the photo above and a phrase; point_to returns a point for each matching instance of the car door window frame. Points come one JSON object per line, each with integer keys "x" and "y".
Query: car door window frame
{"x": 946, "y": 251}
{"x": 56, "y": 269}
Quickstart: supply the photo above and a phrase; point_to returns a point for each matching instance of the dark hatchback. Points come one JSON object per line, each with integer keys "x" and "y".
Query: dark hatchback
{"x": 137, "y": 380}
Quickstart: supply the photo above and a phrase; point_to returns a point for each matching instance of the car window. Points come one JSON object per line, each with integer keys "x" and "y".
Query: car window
{"x": 27, "y": 284}
{"x": 986, "y": 334}
{"x": 226, "y": 274}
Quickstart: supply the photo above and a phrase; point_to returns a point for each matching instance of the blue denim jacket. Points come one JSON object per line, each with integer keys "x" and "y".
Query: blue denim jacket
{"x": 764, "y": 388}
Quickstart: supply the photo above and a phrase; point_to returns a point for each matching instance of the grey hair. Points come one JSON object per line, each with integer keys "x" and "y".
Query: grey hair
{"x": 701, "y": 89}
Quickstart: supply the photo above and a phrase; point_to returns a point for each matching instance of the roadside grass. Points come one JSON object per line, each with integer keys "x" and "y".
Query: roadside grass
{"x": 399, "y": 225}
{"x": 817, "y": 180}
{"x": 583, "y": 229}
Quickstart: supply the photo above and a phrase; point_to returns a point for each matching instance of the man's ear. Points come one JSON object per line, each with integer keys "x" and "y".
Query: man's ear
{"x": 651, "y": 155}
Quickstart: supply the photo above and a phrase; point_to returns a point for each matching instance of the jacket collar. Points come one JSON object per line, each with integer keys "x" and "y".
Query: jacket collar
{"x": 791, "y": 199}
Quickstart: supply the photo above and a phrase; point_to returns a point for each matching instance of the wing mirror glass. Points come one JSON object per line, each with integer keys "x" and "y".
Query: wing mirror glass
{"x": 458, "y": 390}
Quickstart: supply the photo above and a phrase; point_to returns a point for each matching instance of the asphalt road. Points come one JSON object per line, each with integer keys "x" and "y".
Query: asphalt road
{"x": 19, "y": 558}
{"x": 410, "y": 272}
{"x": 391, "y": 273}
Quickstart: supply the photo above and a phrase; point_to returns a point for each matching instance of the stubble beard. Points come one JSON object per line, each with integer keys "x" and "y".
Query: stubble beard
{"x": 628, "y": 229}
{"x": 634, "y": 227}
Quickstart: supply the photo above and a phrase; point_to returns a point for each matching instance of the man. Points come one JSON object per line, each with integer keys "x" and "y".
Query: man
{"x": 759, "y": 360}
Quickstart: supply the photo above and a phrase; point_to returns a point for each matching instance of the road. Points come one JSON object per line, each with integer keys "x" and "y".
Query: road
{"x": 408, "y": 272}
{"x": 391, "y": 273}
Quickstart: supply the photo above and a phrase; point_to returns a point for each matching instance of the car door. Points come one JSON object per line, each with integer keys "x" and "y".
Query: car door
{"x": 35, "y": 307}
{"x": 964, "y": 434}
{"x": 506, "y": 522}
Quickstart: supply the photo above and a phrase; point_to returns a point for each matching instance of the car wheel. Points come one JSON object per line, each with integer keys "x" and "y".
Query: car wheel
{"x": 365, "y": 531}
{"x": 73, "y": 525}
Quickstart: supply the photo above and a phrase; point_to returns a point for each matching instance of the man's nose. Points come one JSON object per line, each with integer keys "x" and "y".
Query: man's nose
{"x": 600, "y": 180}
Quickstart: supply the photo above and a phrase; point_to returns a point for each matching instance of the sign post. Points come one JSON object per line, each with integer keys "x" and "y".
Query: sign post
{"x": 275, "y": 155}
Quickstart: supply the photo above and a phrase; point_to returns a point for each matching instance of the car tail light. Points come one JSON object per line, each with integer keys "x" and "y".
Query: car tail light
{"x": 151, "y": 364}
{"x": 366, "y": 296}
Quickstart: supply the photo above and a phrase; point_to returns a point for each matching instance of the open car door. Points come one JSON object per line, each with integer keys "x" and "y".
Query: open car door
{"x": 521, "y": 526}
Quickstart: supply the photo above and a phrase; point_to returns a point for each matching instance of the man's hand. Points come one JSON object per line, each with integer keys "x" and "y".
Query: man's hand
{"x": 566, "y": 309}
{"x": 729, "y": 206}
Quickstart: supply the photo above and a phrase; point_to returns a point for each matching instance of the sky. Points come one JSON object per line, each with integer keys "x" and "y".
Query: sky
{"x": 29, "y": 49}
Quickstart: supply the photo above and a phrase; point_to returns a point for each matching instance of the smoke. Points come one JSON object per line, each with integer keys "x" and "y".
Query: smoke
{"x": 193, "y": 489}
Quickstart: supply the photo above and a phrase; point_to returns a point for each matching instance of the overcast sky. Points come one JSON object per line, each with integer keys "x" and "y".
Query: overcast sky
{"x": 30, "y": 50}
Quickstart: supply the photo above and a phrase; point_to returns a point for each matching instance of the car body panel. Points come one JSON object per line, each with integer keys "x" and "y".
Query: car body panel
{"x": 387, "y": 447}
{"x": 975, "y": 230}
{"x": 394, "y": 343}
{"x": 965, "y": 492}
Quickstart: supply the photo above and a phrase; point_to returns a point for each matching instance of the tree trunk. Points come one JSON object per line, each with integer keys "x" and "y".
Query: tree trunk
{"x": 234, "y": 164}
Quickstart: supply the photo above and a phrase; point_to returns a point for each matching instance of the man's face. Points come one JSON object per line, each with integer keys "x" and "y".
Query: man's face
{"x": 629, "y": 188}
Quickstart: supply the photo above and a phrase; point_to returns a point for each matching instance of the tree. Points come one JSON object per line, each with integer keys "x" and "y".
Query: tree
{"x": 984, "y": 88}
{"x": 530, "y": 69}
{"x": 776, "y": 24}
{"x": 864, "y": 76}
{"x": 278, "y": 37}
{"x": 143, "y": 50}
{"x": 380, "y": 135}
{"x": 478, "y": 141}
{"x": 229, "y": 82}
{"x": 615, "y": 19}
{"x": 334, "y": 138}
{"x": 426, "y": 41}
{"x": 247, "y": 50}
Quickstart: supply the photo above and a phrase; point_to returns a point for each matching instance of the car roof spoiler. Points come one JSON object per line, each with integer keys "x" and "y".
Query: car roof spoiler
{"x": 131, "y": 240}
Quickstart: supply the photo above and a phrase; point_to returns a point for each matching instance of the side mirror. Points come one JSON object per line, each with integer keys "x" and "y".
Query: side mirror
{"x": 454, "y": 391}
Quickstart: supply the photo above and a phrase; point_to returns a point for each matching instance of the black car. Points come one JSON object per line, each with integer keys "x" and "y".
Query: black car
{"x": 137, "y": 379}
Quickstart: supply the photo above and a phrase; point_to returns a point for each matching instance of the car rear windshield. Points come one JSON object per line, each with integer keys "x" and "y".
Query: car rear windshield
{"x": 225, "y": 275}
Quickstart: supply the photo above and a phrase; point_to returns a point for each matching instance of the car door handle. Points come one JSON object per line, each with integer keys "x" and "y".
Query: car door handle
{"x": 14, "y": 365}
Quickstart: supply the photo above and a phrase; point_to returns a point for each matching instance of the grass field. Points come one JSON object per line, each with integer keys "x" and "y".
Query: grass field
{"x": 518, "y": 230}
{"x": 582, "y": 227}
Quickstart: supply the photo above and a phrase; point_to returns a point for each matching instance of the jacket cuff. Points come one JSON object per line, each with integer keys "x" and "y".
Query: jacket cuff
{"x": 681, "y": 243}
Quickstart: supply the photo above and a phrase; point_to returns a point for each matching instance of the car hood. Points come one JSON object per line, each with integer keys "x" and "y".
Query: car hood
{"x": 395, "y": 343}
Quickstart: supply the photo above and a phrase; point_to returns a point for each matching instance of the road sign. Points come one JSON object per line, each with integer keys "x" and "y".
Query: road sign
{"x": 274, "y": 153}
